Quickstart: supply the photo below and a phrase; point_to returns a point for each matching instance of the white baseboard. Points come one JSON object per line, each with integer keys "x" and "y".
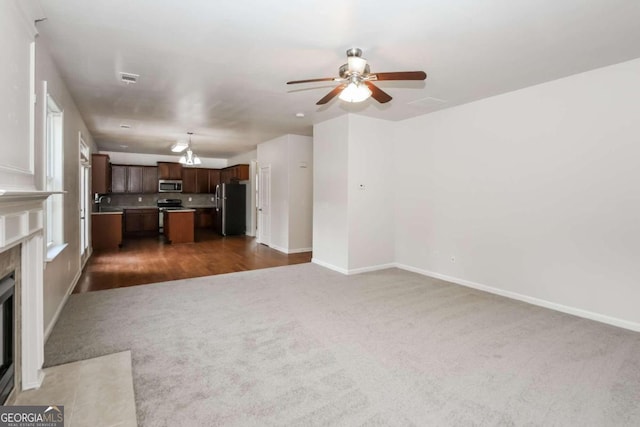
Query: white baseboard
{"x": 352, "y": 270}
{"x": 329, "y": 266}
{"x": 290, "y": 251}
{"x": 54, "y": 320}
{"x": 371, "y": 268}
{"x": 528, "y": 299}
{"x": 299, "y": 250}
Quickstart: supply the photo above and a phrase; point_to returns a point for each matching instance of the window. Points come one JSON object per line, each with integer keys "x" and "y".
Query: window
{"x": 54, "y": 232}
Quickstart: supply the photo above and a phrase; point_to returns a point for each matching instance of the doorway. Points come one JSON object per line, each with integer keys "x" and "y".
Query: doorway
{"x": 263, "y": 189}
{"x": 85, "y": 209}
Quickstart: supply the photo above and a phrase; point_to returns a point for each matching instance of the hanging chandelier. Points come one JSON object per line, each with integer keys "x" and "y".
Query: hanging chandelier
{"x": 189, "y": 158}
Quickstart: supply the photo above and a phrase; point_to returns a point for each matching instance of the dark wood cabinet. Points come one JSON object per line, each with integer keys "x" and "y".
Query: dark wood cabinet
{"x": 179, "y": 226}
{"x": 199, "y": 180}
{"x": 204, "y": 217}
{"x": 202, "y": 181}
{"x": 134, "y": 179}
{"x": 149, "y": 179}
{"x": 106, "y": 231}
{"x": 214, "y": 179}
{"x": 167, "y": 170}
{"x": 100, "y": 174}
{"x": 118, "y": 178}
{"x": 234, "y": 174}
{"x": 189, "y": 180}
{"x": 141, "y": 221}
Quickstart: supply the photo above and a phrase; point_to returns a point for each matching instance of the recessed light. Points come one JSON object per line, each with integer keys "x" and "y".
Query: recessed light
{"x": 124, "y": 146}
{"x": 300, "y": 115}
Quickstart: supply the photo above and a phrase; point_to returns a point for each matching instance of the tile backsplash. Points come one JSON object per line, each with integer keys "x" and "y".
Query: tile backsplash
{"x": 128, "y": 200}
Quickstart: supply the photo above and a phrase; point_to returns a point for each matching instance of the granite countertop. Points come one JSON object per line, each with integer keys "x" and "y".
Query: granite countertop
{"x": 107, "y": 213}
{"x": 137, "y": 207}
{"x": 200, "y": 207}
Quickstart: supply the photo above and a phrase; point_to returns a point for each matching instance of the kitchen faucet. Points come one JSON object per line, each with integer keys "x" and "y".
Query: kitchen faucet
{"x": 98, "y": 201}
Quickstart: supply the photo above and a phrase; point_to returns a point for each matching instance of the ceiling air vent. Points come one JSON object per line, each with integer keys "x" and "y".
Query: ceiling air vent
{"x": 129, "y": 78}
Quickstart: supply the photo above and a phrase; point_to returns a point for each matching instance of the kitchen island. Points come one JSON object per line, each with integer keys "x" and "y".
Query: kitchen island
{"x": 179, "y": 225}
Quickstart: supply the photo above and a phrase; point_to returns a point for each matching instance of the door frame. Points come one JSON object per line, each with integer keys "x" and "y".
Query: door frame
{"x": 261, "y": 236}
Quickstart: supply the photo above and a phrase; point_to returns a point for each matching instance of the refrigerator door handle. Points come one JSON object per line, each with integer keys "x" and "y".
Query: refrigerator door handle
{"x": 217, "y": 197}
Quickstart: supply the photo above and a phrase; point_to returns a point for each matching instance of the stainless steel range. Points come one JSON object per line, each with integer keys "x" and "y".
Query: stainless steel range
{"x": 167, "y": 205}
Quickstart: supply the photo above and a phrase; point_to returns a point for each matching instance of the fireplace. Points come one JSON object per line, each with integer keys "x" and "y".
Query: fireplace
{"x": 7, "y": 312}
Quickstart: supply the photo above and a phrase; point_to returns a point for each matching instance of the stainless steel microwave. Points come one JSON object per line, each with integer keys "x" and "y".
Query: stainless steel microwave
{"x": 169, "y": 186}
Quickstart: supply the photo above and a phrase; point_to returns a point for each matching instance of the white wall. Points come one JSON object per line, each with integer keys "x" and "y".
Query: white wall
{"x": 353, "y": 204}
{"x": 300, "y": 159}
{"x": 17, "y": 166}
{"x": 291, "y": 190}
{"x": 330, "y": 193}
{"x": 62, "y": 273}
{"x": 534, "y": 192}
{"x": 371, "y": 226}
{"x": 243, "y": 158}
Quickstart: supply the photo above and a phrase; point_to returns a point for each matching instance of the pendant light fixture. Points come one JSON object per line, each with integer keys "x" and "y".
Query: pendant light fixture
{"x": 188, "y": 158}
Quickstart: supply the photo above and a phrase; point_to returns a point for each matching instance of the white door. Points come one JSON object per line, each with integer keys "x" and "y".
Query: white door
{"x": 263, "y": 188}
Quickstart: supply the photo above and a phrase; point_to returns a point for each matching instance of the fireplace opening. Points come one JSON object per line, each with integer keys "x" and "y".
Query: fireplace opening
{"x": 7, "y": 371}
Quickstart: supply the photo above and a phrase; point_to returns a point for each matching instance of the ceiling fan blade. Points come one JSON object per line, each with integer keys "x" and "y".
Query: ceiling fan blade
{"x": 328, "y": 97}
{"x": 400, "y": 75}
{"x": 326, "y": 79}
{"x": 378, "y": 94}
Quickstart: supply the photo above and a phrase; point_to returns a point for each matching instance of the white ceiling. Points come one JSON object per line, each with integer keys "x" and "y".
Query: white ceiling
{"x": 219, "y": 68}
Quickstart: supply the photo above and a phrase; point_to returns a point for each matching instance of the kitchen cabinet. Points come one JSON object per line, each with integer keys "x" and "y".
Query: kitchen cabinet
{"x": 204, "y": 218}
{"x": 189, "y": 180}
{"x": 234, "y": 174}
{"x": 141, "y": 221}
{"x": 197, "y": 180}
{"x": 167, "y": 170}
{"x": 150, "y": 179}
{"x": 134, "y": 179}
{"x": 118, "y": 178}
{"x": 179, "y": 226}
{"x": 100, "y": 174}
{"x": 214, "y": 179}
{"x": 106, "y": 230}
{"x": 202, "y": 181}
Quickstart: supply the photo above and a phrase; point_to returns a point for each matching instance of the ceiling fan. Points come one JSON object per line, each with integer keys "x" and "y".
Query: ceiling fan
{"x": 356, "y": 80}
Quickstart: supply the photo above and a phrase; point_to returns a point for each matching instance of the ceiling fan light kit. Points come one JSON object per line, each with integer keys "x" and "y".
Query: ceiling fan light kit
{"x": 188, "y": 158}
{"x": 356, "y": 80}
{"x": 355, "y": 92}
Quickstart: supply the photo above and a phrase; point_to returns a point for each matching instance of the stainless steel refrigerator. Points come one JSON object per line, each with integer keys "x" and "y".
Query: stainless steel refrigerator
{"x": 231, "y": 200}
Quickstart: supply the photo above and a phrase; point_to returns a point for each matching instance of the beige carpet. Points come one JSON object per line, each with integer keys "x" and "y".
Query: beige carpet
{"x": 302, "y": 345}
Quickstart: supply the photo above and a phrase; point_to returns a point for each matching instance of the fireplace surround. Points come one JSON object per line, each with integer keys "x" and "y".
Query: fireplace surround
{"x": 22, "y": 257}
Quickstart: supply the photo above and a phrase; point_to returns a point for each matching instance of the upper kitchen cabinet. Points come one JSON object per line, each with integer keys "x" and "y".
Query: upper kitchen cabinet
{"x": 168, "y": 170}
{"x": 100, "y": 174}
{"x": 118, "y": 178}
{"x": 202, "y": 181}
{"x": 234, "y": 174}
{"x": 214, "y": 179}
{"x": 134, "y": 179}
{"x": 197, "y": 180}
{"x": 189, "y": 180}
{"x": 149, "y": 179}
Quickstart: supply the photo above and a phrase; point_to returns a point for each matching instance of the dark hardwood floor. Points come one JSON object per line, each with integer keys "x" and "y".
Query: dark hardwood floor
{"x": 149, "y": 260}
